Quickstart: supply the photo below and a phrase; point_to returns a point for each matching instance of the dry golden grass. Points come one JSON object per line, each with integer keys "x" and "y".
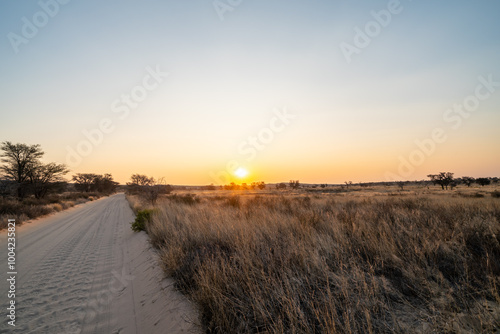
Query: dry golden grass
{"x": 396, "y": 262}
{"x": 31, "y": 208}
{"x": 57, "y": 207}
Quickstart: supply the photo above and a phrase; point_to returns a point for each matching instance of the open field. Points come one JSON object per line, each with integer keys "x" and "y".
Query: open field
{"x": 357, "y": 260}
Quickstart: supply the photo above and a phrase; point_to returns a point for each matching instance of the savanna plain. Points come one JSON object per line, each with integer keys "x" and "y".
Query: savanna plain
{"x": 355, "y": 259}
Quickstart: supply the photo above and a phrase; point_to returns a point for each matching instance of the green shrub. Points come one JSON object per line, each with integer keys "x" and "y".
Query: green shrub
{"x": 142, "y": 217}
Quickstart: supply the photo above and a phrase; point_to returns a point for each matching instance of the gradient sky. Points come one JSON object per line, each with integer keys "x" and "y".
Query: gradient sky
{"x": 354, "y": 120}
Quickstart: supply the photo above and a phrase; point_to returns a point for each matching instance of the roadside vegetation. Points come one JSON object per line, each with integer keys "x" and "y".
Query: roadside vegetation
{"x": 142, "y": 218}
{"x": 31, "y": 208}
{"x": 373, "y": 260}
{"x": 30, "y": 188}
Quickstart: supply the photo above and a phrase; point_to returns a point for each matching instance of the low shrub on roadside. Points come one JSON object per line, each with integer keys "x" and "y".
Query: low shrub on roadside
{"x": 56, "y": 207}
{"x": 143, "y": 217}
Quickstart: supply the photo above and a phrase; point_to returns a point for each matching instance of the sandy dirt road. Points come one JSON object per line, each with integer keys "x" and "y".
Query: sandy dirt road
{"x": 84, "y": 271}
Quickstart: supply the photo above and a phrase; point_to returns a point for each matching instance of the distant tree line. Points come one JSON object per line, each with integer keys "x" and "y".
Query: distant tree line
{"x": 88, "y": 182}
{"x": 23, "y": 174}
{"x": 243, "y": 186}
{"x": 293, "y": 184}
{"x": 445, "y": 179}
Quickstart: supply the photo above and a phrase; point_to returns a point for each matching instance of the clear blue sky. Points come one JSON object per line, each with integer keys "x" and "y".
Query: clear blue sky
{"x": 353, "y": 120}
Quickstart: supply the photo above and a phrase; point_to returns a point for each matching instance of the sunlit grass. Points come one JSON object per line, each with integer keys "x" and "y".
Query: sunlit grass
{"x": 330, "y": 263}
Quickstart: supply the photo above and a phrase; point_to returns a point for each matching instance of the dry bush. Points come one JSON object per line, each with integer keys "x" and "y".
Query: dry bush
{"x": 56, "y": 207}
{"x": 136, "y": 203}
{"x": 80, "y": 201}
{"x": 30, "y": 208}
{"x": 67, "y": 204}
{"x": 471, "y": 194}
{"x": 295, "y": 264}
{"x": 189, "y": 199}
{"x": 5, "y": 217}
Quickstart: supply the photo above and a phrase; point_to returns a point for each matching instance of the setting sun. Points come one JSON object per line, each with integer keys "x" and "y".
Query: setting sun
{"x": 241, "y": 172}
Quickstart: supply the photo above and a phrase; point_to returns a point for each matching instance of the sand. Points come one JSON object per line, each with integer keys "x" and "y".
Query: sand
{"x": 85, "y": 271}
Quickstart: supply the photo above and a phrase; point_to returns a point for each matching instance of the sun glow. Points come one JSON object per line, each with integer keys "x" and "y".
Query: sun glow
{"x": 241, "y": 172}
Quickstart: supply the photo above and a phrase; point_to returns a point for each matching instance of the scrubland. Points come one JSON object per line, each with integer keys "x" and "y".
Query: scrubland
{"x": 30, "y": 208}
{"x": 371, "y": 260}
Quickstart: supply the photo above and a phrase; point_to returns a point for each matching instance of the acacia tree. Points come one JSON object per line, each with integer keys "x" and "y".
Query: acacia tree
{"x": 294, "y": 184}
{"x": 154, "y": 190}
{"x": 147, "y": 187}
{"x": 88, "y": 182}
{"x": 22, "y": 165}
{"x": 46, "y": 177}
{"x": 138, "y": 182}
{"x": 141, "y": 180}
{"x": 105, "y": 184}
{"x": 5, "y": 187}
{"x": 444, "y": 179}
{"x": 84, "y": 182}
{"x": 260, "y": 185}
{"x": 467, "y": 180}
{"x": 483, "y": 181}
{"x": 281, "y": 186}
